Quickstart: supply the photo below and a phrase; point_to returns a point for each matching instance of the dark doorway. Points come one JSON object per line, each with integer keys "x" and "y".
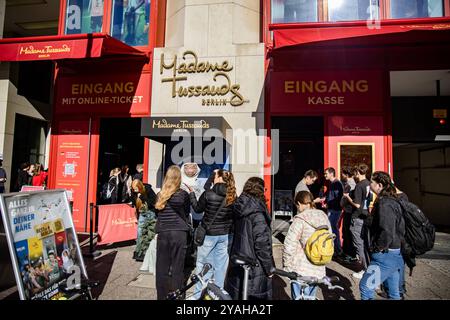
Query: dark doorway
{"x": 120, "y": 144}
{"x": 301, "y": 149}
{"x": 29, "y": 144}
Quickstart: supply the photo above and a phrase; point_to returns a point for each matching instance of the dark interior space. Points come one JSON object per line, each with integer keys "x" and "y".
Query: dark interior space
{"x": 120, "y": 144}
{"x": 301, "y": 149}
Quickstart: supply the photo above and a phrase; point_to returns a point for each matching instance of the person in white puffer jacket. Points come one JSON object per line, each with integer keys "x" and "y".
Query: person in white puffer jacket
{"x": 304, "y": 225}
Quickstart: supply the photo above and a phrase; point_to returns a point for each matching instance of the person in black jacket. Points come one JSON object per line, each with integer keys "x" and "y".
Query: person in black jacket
{"x": 113, "y": 186}
{"x": 387, "y": 230}
{"x": 145, "y": 208}
{"x": 252, "y": 242}
{"x": 23, "y": 177}
{"x": 172, "y": 209}
{"x": 360, "y": 200}
{"x": 217, "y": 205}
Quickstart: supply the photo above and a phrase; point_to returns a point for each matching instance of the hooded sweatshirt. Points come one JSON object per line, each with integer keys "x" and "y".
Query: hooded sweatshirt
{"x": 301, "y": 229}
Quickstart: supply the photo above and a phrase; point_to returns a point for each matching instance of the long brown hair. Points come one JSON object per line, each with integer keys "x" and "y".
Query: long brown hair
{"x": 37, "y": 169}
{"x": 140, "y": 186}
{"x": 255, "y": 187}
{"x": 228, "y": 178}
{"x": 305, "y": 197}
{"x": 172, "y": 183}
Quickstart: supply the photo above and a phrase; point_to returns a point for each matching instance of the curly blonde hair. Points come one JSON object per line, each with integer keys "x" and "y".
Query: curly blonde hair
{"x": 172, "y": 183}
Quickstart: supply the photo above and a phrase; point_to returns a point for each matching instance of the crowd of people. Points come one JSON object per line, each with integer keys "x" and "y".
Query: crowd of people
{"x": 29, "y": 174}
{"x": 236, "y": 227}
{"x": 124, "y": 187}
{"x": 364, "y": 208}
{"x": 239, "y": 226}
{"x": 370, "y": 217}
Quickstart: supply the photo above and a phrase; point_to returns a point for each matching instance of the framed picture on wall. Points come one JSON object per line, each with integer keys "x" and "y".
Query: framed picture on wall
{"x": 352, "y": 154}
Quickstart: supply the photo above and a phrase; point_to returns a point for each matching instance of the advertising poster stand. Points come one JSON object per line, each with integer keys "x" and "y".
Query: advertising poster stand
{"x": 44, "y": 248}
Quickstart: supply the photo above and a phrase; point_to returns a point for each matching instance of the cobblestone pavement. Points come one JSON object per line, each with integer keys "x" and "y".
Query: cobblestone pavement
{"x": 121, "y": 279}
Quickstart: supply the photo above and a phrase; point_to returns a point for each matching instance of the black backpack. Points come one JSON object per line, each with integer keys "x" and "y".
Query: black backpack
{"x": 419, "y": 232}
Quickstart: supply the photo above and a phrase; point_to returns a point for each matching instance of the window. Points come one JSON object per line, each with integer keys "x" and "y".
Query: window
{"x": 345, "y": 10}
{"x": 297, "y": 11}
{"x": 84, "y": 16}
{"x": 285, "y": 11}
{"x": 401, "y": 9}
{"x": 130, "y": 21}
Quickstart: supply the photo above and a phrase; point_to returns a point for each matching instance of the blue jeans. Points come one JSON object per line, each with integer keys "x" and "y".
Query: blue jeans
{"x": 215, "y": 250}
{"x": 402, "y": 285}
{"x": 309, "y": 292}
{"x": 333, "y": 216}
{"x": 402, "y": 288}
{"x": 383, "y": 268}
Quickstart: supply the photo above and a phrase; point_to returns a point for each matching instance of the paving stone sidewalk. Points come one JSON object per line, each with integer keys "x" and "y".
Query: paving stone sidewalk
{"x": 121, "y": 279}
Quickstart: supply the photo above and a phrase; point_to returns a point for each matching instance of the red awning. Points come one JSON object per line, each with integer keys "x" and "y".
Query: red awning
{"x": 78, "y": 46}
{"x": 359, "y": 33}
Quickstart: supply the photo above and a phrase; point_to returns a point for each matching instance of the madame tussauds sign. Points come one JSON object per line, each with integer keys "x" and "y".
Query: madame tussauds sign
{"x": 220, "y": 94}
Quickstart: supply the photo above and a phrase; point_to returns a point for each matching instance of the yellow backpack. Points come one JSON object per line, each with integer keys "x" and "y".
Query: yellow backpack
{"x": 319, "y": 248}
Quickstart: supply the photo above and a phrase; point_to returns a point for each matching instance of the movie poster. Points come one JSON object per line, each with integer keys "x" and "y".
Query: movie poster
{"x": 45, "y": 245}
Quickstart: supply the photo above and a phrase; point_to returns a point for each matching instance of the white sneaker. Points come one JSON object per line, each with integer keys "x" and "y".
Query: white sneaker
{"x": 358, "y": 275}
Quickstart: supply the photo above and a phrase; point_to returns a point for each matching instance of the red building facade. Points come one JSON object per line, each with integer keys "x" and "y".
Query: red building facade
{"x": 336, "y": 76}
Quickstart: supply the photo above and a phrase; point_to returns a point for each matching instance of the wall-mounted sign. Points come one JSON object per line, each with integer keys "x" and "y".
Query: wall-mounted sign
{"x": 37, "y": 51}
{"x": 353, "y": 154}
{"x": 354, "y": 126}
{"x": 440, "y": 113}
{"x": 219, "y": 92}
{"x": 320, "y": 91}
{"x": 166, "y": 126}
{"x": 123, "y": 93}
{"x": 71, "y": 171}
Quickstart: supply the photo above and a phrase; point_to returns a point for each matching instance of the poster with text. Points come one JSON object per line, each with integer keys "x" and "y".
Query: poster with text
{"x": 71, "y": 167}
{"x": 43, "y": 243}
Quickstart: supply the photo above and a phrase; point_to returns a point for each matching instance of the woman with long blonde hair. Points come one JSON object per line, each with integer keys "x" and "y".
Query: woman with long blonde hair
{"x": 172, "y": 208}
{"x": 217, "y": 205}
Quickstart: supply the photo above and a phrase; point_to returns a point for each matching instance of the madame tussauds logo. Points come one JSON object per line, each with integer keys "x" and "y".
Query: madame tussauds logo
{"x": 215, "y": 93}
{"x": 43, "y": 50}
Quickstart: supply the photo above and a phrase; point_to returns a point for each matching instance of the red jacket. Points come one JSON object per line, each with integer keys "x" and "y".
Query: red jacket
{"x": 38, "y": 180}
